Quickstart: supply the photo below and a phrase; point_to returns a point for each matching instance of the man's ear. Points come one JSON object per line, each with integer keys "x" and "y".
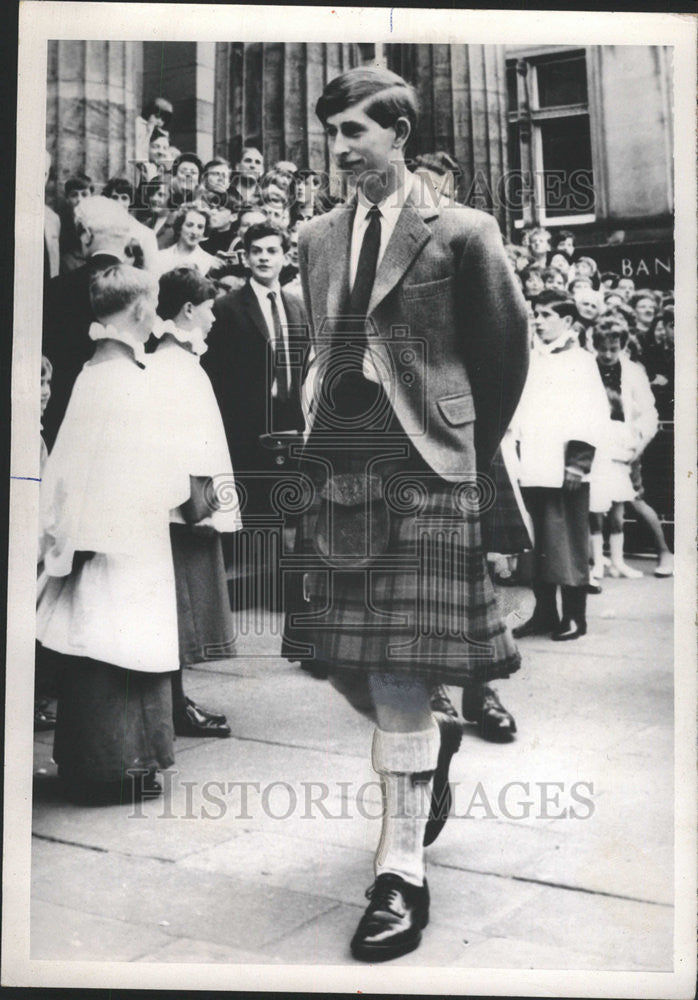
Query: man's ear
{"x": 85, "y": 235}
{"x": 402, "y": 131}
{"x": 568, "y": 320}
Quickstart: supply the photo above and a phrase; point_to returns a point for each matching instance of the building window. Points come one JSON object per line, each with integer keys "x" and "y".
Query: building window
{"x": 550, "y": 157}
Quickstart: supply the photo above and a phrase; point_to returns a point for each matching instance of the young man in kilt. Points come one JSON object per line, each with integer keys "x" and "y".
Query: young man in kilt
{"x": 420, "y": 354}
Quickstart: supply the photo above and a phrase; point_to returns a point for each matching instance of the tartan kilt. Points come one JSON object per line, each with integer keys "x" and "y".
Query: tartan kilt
{"x": 424, "y": 608}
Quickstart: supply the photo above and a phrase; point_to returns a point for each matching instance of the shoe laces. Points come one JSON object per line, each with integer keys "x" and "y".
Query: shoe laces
{"x": 384, "y": 896}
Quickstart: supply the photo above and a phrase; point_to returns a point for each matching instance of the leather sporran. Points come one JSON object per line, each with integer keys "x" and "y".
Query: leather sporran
{"x": 353, "y": 523}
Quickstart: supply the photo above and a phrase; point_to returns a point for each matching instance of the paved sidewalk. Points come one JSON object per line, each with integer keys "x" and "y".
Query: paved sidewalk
{"x": 516, "y": 880}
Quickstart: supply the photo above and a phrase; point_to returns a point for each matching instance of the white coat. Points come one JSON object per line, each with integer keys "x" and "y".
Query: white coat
{"x": 563, "y": 400}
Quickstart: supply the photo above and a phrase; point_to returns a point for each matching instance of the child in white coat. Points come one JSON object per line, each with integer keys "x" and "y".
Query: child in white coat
{"x": 107, "y": 601}
{"x": 558, "y": 426}
{"x": 631, "y": 423}
{"x": 199, "y": 447}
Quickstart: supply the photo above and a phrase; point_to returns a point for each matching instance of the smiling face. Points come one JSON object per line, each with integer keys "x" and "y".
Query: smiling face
{"x": 158, "y": 150}
{"x": 362, "y": 148}
{"x": 265, "y": 259}
{"x": 533, "y": 284}
{"x": 157, "y": 200}
{"x": 193, "y": 229}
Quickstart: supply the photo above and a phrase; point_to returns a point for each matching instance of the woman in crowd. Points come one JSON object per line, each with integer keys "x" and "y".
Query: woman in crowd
{"x": 107, "y": 601}
{"x": 191, "y": 226}
{"x": 644, "y": 305}
{"x": 186, "y": 175}
{"x": 152, "y": 210}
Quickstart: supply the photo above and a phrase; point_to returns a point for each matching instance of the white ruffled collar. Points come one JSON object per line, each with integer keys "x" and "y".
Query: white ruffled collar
{"x": 194, "y": 340}
{"x": 99, "y": 332}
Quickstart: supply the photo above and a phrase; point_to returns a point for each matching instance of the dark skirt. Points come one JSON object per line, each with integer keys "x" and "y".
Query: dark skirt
{"x": 561, "y": 526}
{"x": 204, "y": 618}
{"x": 111, "y": 721}
{"x": 425, "y": 607}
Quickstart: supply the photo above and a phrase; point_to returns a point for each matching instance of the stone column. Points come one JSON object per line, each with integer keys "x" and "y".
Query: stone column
{"x": 268, "y": 90}
{"x": 92, "y": 102}
{"x": 463, "y": 111}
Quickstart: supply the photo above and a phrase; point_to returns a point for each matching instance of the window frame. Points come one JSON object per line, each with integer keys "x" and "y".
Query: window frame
{"x": 535, "y": 211}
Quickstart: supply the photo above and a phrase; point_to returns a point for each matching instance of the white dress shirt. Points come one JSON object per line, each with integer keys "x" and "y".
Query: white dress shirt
{"x": 390, "y": 209}
{"x": 262, "y": 293}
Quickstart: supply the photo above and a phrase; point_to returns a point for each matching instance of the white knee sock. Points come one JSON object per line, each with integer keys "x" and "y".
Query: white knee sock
{"x": 597, "y": 555}
{"x": 397, "y": 757}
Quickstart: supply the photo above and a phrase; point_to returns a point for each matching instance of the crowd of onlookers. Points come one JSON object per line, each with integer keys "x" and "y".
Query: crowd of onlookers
{"x": 183, "y": 247}
{"x": 544, "y": 260}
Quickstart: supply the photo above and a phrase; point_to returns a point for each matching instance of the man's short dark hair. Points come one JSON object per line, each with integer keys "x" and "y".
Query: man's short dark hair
{"x": 182, "y": 285}
{"x": 260, "y": 230}
{"x": 118, "y": 185}
{"x": 78, "y": 182}
{"x": 392, "y": 97}
{"x": 217, "y": 161}
{"x": 560, "y": 301}
{"x": 610, "y": 276}
{"x": 564, "y": 234}
{"x": 187, "y": 158}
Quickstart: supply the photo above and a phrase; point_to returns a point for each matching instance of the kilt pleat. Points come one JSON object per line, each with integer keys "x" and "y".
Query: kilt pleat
{"x": 424, "y": 607}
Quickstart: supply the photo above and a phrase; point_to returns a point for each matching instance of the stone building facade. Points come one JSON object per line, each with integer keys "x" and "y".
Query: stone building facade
{"x": 516, "y": 119}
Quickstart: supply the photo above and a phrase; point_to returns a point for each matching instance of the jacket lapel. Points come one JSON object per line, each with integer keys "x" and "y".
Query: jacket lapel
{"x": 251, "y": 306}
{"x": 409, "y": 236}
{"x": 335, "y": 249}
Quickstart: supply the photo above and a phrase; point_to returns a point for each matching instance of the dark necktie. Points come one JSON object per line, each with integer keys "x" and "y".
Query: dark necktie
{"x": 368, "y": 260}
{"x": 280, "y": 358}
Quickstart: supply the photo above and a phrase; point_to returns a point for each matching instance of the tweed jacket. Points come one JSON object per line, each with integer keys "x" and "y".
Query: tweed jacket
{"x": 447, "y": 323}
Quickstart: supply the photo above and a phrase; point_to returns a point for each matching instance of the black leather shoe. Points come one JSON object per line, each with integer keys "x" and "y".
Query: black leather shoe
{"x": 441, "y": 796}
{"x": 189, "y": 720}
{"x": 207, "y": 714}
{"x": 393, "y": 922}
{"x": 482, "y": 706}
{"x": 570, "y": 630}
{"x": 535, "y": 626}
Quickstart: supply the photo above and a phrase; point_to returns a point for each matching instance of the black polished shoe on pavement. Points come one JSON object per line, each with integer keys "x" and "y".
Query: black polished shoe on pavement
{"x": 451, "y": 732}
{"x": 208, "y": 714}
{"x": 570, "y": 630}
{"x": 393, "y": 922}
{"x": 536, "y": 625}
{"x": 482, "y": 706}
{"x": 189, "y": 720}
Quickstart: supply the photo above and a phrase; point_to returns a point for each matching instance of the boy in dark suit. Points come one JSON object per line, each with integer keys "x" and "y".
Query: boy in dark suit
{"x": 252, "y": 368}
{"x": 415, "y": 381}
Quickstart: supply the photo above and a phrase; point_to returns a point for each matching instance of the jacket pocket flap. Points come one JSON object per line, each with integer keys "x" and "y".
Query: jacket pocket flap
{"x": 457, "y": 410}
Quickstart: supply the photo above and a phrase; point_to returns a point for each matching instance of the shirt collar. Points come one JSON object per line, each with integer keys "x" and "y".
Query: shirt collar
{"x": 391, "y": 206}
{"x": 262, "y": 291}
